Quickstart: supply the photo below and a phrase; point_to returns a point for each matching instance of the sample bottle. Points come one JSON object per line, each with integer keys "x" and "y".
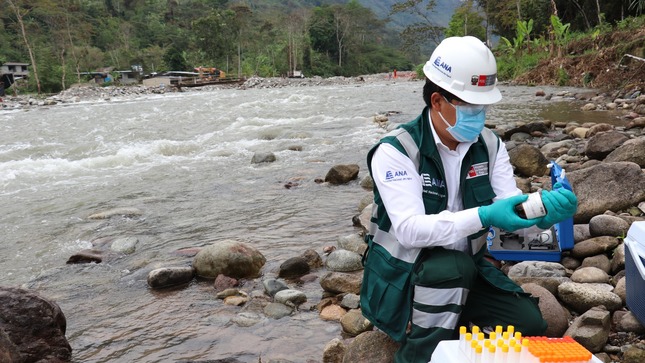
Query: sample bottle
{"x": 532, "y": 207}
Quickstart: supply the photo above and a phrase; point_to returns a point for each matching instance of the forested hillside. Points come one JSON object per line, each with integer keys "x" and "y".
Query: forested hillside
{"x": 63, "y": 39}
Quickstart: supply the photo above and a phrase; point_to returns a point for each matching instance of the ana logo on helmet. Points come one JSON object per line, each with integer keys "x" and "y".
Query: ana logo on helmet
{"x": 445, "y": 66}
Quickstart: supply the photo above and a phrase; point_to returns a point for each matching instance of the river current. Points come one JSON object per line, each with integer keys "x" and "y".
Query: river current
{"x": 184, "y": 160}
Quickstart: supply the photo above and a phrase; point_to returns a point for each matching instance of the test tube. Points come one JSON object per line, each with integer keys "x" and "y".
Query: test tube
{"x": 514, "y": 355}
{"x": 462, "y": 338}
{"x": 478, "y": 354}
{"x": 468, "y": 338}
{"x": 506, "y": 336}
{"x": 525, "y": 355}
{"x": 502, "y": 355}
{"x": 490, "y": 358}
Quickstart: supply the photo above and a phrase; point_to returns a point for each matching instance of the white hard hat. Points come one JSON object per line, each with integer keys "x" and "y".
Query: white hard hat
{"x": 465, "y": 67}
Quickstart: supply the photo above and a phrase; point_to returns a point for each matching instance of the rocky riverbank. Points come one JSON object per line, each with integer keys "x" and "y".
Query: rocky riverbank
{"x": 583, "y": 296}
{"x": 91, "y": 92}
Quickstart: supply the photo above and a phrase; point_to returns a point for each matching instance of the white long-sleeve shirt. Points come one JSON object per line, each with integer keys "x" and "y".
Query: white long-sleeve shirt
{"x": 404, "y": 203}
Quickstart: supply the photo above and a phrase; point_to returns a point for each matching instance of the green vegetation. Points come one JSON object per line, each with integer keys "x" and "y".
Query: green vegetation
{"x": 62, "y": 39}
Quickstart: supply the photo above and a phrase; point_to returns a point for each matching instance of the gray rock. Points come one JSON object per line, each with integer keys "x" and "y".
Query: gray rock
{"x": 353, "y": 242}
{"x": 601, "y": 144}
{"x": 334, "y": 351}
{"x": 629, "y": 323}
{"x": 371, "y": 347}
{"x": 230, "y": 258}
{"x": 581, "y": 232}
{"x": 263, "y": 157}
{"x": 277, "y": 311}
{"x": 591, "y": 329}
{"x": 339, "y": 282}
{"x": 350, "y": 301}
{"x": 537, "y": 269}
{"x": 598, "y": 188}
{"x": 354, "y": 323}
{"x": 313, "y": 258}
{"x": 290, "y": 297}
{"x": 594, "y": 246}
{"x": 246, "y": 319}
{"x": 570, "y": 263}
{"x": 598, "y": 128}
{"x": 367, "y": 182}
{"x": 272, "y": 286}
{"x": 555, "y": 149}
{"x": 365, "y": 201}
{"x": 126, "y": 245}
{"x": 621, "y": 289}
{"x": 618, "y": 259}
{"x": 344, "y": 261}
{"x": 582, "y": 297}
{"x": 170, "y": 276}
{"x": 598, "y": 261}
{"x": 632, "y": 150}
{"x": 608, "y": 225}
{"x": 590, "y": 275}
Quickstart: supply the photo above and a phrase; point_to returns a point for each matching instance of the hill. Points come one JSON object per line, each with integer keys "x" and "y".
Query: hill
{"x": 601, "y": 62}
{"x": 440, "y": 15}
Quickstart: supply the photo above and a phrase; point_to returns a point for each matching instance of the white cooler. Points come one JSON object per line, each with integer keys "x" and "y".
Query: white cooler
{"x": 635, "y": 270}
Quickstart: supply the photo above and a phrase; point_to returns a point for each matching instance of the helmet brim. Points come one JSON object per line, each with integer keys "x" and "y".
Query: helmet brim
{"x": 480, "y": 98}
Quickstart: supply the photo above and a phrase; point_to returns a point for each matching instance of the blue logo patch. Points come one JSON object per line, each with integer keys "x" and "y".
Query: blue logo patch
{"x": 396, "y": 175}
{"x": 445, "y": 66}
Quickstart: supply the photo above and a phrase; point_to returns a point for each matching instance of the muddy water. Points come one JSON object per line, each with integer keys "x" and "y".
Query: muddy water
{"x": 184, "y": 161}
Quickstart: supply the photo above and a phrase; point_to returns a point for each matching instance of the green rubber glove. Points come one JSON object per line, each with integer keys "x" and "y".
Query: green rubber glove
{"x": 501, "y": 214}
{"x": 560, "y": 204}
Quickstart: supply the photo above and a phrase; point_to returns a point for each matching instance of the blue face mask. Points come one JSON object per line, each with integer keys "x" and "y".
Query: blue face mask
{"x": 469, "y": 122}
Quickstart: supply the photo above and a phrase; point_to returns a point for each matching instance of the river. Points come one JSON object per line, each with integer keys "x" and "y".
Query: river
{"x": 184, "y": 160}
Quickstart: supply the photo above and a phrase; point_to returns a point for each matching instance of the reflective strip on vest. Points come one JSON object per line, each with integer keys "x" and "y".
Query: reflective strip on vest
{"x": 393, "y": 247}
{"x": 440, "y": 297}
{"x": 447, "y": 320}
{"x": 477, "y": 243}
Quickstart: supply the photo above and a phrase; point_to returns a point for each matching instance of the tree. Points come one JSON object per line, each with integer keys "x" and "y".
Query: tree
{"x": 418, "y": 33}
{"x": 20, "y": 13}
{"x": 467, "y": 21}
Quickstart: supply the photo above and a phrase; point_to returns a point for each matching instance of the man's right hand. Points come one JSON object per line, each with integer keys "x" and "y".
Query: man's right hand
{"x": 501, "y": 214}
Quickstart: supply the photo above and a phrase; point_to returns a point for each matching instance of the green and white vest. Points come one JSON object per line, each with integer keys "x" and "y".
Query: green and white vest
{"x": 386, "y": 294}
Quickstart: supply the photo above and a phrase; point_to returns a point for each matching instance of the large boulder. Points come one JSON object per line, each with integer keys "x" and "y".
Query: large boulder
{"x": 528, "y": 160}
{"x": 342, "y": 174}
{"x": 632, "y": 150}
{"x": 371, "y": 347}
{"x": 601, "y": 144}
{"x": 607, "y": 186}
{"x": 32, "y": 328}
{"x": 555, "y": 315}
{"x": 229, "y": 258}
{"x": 591, "y": 329}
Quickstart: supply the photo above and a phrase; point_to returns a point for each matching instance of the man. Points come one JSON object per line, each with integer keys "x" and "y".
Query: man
{"x": 440, "y": 182}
